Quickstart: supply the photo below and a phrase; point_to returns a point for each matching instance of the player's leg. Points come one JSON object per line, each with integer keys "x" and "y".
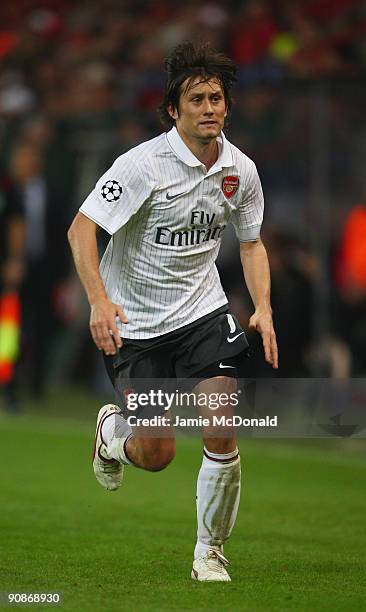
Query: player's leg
{"x": 149, "y": 448}
{"x": 116, "y": 442}
{"x": 218, "y": 336}
{"x": 218, "y": 485}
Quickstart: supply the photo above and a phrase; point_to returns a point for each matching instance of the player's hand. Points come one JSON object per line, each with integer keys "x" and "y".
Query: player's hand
{"x": 103, "y": 326}
{"x": 262, "y": 322}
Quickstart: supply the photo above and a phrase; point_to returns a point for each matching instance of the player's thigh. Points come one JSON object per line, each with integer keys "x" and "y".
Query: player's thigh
{"x": 133, "y": 378}
{"x": 217, "y": 403}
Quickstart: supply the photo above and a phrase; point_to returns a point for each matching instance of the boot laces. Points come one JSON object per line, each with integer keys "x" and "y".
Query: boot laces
{"x": 215, "y": 561}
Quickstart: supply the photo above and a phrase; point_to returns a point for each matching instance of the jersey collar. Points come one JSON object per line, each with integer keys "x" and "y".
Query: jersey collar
{"x": 181, "y": 150}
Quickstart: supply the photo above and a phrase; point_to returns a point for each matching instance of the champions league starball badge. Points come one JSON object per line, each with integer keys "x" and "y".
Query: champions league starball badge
{"x": 111, "y": 191}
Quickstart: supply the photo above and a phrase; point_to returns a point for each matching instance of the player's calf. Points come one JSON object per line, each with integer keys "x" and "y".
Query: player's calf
{"x": 152, "y": 454}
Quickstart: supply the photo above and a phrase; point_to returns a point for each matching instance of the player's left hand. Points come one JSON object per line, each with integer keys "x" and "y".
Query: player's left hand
{"x": 262, "y": 322}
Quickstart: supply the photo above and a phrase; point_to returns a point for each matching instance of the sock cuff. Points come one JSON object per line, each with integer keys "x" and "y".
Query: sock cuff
{"x": 116, "y": 450}
{"x": 124, "y": 451}
{"x": 221, "y": 457}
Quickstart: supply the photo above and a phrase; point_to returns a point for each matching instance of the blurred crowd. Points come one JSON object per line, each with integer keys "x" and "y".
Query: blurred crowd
{"x": 80, "y": 83}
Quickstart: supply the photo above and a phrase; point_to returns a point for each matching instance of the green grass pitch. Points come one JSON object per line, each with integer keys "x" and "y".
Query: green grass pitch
{"x": 299, "y": 542}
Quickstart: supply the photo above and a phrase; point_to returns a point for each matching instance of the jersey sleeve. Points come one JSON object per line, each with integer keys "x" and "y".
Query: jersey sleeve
{"x": 118, "y": 194}
{"x": 247, "y": 218}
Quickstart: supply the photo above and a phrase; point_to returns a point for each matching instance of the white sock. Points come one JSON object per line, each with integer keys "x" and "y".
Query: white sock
{"x": 115, "y": 433}
{"x": 218, "y": 495}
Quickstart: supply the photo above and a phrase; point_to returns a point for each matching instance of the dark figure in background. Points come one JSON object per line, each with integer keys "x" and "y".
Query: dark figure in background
{"x": 292, "y": 303}
{"x": 291, "y": 291}
{"x": 45, "y": 216}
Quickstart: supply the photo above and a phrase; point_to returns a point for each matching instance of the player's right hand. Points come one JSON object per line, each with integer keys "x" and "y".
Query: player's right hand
{"x": 103, "y": 326}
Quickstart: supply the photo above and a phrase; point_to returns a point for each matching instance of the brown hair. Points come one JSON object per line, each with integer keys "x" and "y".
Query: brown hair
{"x": 189, "y": 61}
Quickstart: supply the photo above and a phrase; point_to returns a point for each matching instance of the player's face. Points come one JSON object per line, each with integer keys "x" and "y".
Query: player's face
{"x": 202, "y": 110}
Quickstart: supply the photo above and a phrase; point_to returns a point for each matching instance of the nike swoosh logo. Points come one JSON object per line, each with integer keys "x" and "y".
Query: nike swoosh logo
{"x": 221, "y": 365}
{"x": 234, "y": 337}
{"x": 171, "y": 197}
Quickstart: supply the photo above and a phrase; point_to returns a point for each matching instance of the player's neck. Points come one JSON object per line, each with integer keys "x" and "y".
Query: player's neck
{"x": 206, "y": 152}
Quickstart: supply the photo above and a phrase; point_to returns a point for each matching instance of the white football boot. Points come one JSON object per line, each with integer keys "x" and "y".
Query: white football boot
{"x": 108, "y": 471}
{"x": 210, "y": 567}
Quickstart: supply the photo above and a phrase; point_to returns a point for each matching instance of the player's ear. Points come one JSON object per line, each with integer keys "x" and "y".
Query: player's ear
{"x": 172, "y": 112}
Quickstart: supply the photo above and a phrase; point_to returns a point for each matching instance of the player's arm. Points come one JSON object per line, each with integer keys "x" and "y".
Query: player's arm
{"x": 255, "y": 264}
{"x": 82, "y": 237}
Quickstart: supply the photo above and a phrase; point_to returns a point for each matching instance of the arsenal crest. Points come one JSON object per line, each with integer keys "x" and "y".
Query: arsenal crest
{"x": 230, "y": 185}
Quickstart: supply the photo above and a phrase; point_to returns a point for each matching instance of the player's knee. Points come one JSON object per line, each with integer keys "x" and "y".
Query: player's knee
{"x": 158, "y": 463}
{"x": 158, "y": 458}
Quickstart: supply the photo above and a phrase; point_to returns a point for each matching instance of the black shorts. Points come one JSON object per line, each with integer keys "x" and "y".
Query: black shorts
{"x": 212, "y": 346}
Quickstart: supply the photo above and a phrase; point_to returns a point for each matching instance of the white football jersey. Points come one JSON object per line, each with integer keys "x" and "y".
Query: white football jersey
{"x": 166, "y": 214}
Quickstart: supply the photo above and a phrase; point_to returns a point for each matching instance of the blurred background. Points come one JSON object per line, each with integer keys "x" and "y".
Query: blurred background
{"x": 79, "y": 85}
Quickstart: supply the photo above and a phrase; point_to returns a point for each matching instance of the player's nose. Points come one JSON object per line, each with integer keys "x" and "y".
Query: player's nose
{"x": 207, "y": 109}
